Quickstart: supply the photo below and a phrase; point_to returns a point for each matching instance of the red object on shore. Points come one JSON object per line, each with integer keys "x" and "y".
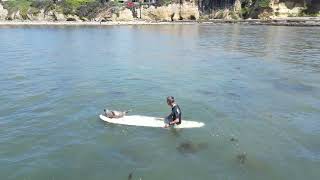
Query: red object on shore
{"x": 130, "y": 4}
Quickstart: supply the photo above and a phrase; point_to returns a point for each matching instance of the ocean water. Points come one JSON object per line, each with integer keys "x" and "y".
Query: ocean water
{"x": 257, "y": 89}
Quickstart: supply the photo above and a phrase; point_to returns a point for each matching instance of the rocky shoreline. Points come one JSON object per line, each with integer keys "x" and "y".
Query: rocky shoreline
{"x": 260, "y": 12}
{"x": 295, "y": 21}
{"x": 303, "y": 21}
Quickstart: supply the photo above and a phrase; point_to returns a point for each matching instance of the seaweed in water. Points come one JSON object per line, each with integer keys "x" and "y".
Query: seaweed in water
{"x": 130, "y": 176}
{"x": 189, "y": 147}
{"x": 242, "y": 157}
{"x": 234, "y": 139}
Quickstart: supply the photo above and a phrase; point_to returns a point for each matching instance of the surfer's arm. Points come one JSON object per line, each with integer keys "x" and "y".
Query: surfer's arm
{"x": 175, "y": 121}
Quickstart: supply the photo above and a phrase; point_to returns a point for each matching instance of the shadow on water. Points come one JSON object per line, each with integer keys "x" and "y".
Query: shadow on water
{"x": 206, "y": 92}
{"x": 176, "y": 132}
{"x": 292, "y": 86}
{"x": 117, "y": 94}
{"x": 189, "y": 147}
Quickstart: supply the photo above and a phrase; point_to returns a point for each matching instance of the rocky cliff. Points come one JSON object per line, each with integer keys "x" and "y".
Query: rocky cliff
{"x": 285, "y": 8}
{"x": 220, "y": 9}
{"x": 3, "y": 13}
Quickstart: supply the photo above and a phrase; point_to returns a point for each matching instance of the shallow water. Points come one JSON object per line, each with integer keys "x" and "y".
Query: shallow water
{"x": 257, "y": 89}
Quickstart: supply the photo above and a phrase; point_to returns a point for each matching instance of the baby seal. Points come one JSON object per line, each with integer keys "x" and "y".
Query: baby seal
{"x": 115, "y": 114}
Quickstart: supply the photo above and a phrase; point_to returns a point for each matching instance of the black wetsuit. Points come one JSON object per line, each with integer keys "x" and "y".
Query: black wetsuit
{"x": 176, "y": 113}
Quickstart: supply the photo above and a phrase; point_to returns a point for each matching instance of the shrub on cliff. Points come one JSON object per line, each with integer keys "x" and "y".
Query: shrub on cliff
{"x": 264, "y": 3}
{"x": 89, "y": 10}
{"x": 165, "y": 2}
{"x": 18, "y": 5}
{"x": 71, "y": 6}
{"x": 46, "y": 5}
{"x": 260, "y": 10}
{"x": 311, "y": 9}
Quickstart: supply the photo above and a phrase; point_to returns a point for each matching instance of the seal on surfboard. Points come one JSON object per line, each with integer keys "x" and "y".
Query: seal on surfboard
{"x": 115, "y": 114}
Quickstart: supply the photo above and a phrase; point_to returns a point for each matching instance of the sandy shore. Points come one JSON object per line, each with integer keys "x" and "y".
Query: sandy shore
{"x": 294, "y": 21}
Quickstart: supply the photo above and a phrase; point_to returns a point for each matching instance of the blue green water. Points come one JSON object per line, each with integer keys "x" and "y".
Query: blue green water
{"x": 257, "y": 84}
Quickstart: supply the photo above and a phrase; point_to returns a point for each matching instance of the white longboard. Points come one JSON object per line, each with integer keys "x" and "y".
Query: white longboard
{"x": 147, "y": 121}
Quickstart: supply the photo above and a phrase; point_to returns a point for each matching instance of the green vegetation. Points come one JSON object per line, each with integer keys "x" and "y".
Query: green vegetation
{"x": 89, "y": 10}
{"x": 76, "y": 3}
{"x": 165, "y": 2}
{"x": 46, "y": 5}
{"x": 310, "y": 11}
{"x": 18, "y": 5}
{"x": 263, "y": 3}
{"x": 82, "y": 8}
{"x": 245, "y": 11}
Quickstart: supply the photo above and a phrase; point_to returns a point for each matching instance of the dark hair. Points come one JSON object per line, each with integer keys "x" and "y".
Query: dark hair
{"x": 170, "y": 99}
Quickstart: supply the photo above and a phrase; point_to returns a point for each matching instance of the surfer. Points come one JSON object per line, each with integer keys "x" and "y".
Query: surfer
{"x": 115, "y": 114}
{"x": 175, "y": 116}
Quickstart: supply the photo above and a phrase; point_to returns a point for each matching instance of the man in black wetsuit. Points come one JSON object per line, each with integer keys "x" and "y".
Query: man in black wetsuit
{"x": 175, "y": 117}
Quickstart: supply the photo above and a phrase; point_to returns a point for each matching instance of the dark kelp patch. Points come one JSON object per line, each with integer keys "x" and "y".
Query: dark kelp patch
{"x": 189, "y": 147}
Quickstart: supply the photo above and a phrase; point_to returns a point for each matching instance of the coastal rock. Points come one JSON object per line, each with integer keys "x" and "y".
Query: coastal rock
{"x": 3, "y": 13}
{"x": 17, "y": 16}
{"x": 189, "y": 11}
{"x": 35, "y": 16}
{"x": 163, "y": 13}
{"x": 104, "y": 15}
{"x": 73, "y": 18}
{"x": 285, "y": 8}
{"x": 124, "y": 15}
{"x": 59, "y": 16}
{"x": 49, "y": 16}
{"x": 42, "y": 16}
{"x": 226, "y": 14}
{"x": 237, "y": 6}
{"x": 261, "y": 12}
{"x": 278, "y": 8}
{"x": 171, "y": 12}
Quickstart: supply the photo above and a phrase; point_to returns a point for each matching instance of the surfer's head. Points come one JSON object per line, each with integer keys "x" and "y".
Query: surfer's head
{"x": 170, "y": 100}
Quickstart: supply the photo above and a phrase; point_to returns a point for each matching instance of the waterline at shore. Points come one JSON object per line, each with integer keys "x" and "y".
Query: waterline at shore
{"x": 294, "y": 21}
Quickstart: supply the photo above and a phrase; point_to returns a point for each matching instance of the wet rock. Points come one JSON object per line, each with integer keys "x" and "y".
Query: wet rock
{"x": 84, "y": 19}
{"x": 189, "y": 147}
